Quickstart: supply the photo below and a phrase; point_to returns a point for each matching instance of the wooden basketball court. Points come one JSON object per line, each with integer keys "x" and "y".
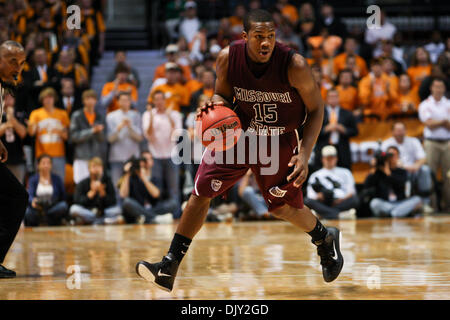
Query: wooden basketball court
{"x": 384, "y": 259}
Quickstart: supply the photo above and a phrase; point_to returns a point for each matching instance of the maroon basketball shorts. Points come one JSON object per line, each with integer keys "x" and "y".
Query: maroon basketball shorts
{"x": 216, "y": 175}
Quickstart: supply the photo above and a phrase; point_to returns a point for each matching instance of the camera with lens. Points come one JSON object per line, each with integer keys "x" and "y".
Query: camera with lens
{"x": 381, "y": 158}
{"x": 135, "y": 167}
{"x": 328, "y": 194}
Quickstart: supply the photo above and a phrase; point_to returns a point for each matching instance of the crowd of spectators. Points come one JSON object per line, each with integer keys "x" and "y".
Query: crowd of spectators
{"x": 90, "y": 157}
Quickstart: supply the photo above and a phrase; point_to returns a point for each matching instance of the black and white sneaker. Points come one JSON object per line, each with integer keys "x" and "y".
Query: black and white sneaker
{"x": 330, "y": 254}
{"x": 6, "y": 273}
{"x": 162, "y": 274}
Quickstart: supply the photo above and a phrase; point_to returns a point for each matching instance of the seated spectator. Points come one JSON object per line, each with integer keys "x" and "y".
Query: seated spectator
{"x": 95, "y": 198}
{"x": 412, "y": 158}
{"x": 140, "y": 196}
{"x": 111, "y": 90}
{"x": 50, "y": 127}
{"x": 12, "y": 133}
{"x": 388, "y": 67}
{"x": 177, "y": 94}
{"x": 348, "y": 94}
{"x": 208, "y": 79}
{"x": 69, "y": 100}
{"x": 87, "y": 134}
{"x": 46, "y": 196}
{"x": 172, "y": 55}
{"x": 385, "y": 31}
{"x": 350, "y": 49}
{"x": 407, "y": 99}
{"x": 39, "y": 76}
{"x": 66, "y": 67}
{"x": 321, "y": 81}
{"x": 434, "y": 114}
{"x": 333, "y": 24}
{"x": 249, "y": 193}
{"x": 237, "y": 19}
{"x": 375, "y": 92}
{"x": 387, "y": 187}
{"x": 339, "y": 125}
{"x": 420, "y": 67}
{"x": 437, "y": 72}
{"x": 124, "y": 135}
{"x": 331, "y": 190}
{"x": 435, "y": 47}
{"x": 351, "y": 64}
{"x": 190, "y": 24}
{"x": 160, "y": 124}
{"x": 121, "y": 57}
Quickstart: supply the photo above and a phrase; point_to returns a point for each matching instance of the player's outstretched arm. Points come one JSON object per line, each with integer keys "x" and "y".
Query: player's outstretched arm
{"x": 301, "y": 78}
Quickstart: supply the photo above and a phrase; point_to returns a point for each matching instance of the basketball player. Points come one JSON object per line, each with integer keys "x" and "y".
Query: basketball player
{"x": 260, "y": 66}
{"x": 13, "y": 196}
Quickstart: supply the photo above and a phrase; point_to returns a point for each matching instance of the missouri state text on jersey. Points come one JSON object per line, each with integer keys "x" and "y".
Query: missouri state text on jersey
{"x": 266, "y": 104}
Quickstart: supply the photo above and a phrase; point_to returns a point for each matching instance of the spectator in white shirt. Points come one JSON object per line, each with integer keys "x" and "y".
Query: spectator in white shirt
{"x": 190, "y": 24}
{"x": 412, "y": 159}
{"x": 124, "y": 135}
{"x": 374, "y": 35}
{"x": 434, "y": 112}
{"x": 331, "y": 190}
{"x": 161, "y": 126}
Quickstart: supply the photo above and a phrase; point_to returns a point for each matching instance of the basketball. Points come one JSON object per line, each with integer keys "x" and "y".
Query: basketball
{"x": 219, "y": 128}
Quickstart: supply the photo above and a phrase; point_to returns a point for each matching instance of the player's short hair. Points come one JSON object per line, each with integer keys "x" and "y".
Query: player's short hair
{"x": 257, "y": 15}
{"x": 89, "y": 93}
{"x": 48, "y": 92}
{"x": 95, "y": 160}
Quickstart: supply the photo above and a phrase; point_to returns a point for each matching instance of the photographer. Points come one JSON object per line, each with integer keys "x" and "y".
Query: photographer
{"x": 140, "y": 196}
{"x": 47, "y": 196}
{"x": 331, "y": 190}
{"x": 95, "y": 198}
{"x": 387, "y": 187}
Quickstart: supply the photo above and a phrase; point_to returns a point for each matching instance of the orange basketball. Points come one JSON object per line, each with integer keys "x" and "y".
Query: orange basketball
{"x": 219, "y": 128}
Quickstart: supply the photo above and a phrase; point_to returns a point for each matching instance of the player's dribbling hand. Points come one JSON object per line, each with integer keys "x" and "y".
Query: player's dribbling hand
{"x": 300, "y": 170}
{"x": 207, "y": 106}
{"x": 3, "y": 153}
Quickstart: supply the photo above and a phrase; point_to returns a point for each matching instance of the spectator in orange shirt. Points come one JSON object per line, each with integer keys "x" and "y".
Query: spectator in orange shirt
{"x": 407, "y": 99}
{"x": 388, "y": 66}
{"x": 420, "y": 67}
{"x": 208, "y": 79}
{"x": 112, "y": 89}
{"x": 195, "y": 84}
{"x": 340, "y": 61}
{"x": 67, "y": 68}
{"x": 50, "y": 126}
{"x": 375, "y": 94}
{"x": 177, "y": 96}
{"x": 172, "y": 56}
{"x": 237, "y": 20}
{"x": 351, "y": 64}
{"x": 288, "y": 10}
{"x": 323, "y": 83}
{"x": 348, "y": 94}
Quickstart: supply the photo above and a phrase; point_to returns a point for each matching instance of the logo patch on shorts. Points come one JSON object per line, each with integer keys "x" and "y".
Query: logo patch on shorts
{"x": 277, "y": 192}
{"x": 216, "y": 184}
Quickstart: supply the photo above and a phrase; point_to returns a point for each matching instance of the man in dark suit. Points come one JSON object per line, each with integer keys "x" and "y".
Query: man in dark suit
{"x": 333, "y": 24}
{"x": 69, "y": 100}
{"x": 339, "y": 125}
{"x": 38, "y": 77}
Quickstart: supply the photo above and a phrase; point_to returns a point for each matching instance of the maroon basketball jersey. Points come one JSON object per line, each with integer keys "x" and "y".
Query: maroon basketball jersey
{"x": 267, "y": 105}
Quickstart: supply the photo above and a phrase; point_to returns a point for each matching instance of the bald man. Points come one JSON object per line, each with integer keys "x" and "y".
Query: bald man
{"x": 13, "y": 196}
